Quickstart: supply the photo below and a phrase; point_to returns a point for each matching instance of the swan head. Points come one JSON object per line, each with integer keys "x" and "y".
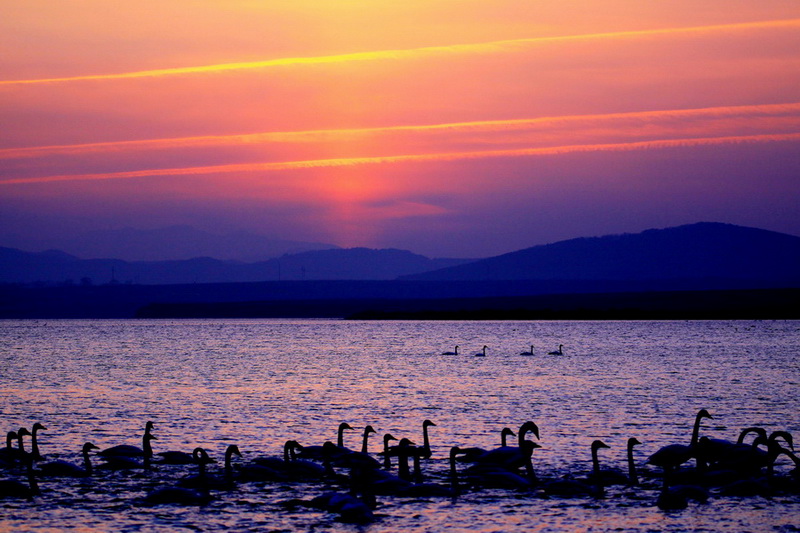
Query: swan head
{"x": 528, "y": 446}
{"x": 89, "y": 446}
{"x": 633, "y": 441}
{"x": 785, "y": 435}
{"x": 703, "y": 414}
{"x": 529, "y": 427}
{"x": 596, "y": 445}
{"x": 36, "y": 427}
{"x": 368, "y": 430}
{"x": 201, "y": 456}
{"x": 405, "y": 443}
{"x": 232, "y": 449}
{"x": 148, "y": 427}
{"x": 344, "y": 425}
{"x": 508, "y": 431}
{"x": 388, "y": 437}
{"x": 22, "y": 432}
{"x": 427, "y": 423}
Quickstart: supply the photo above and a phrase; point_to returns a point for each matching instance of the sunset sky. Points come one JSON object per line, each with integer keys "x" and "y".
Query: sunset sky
{"x": 451, "y": 128}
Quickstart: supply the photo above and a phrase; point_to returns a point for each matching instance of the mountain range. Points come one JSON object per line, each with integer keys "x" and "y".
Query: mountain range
{"x": 171, "y": 243}
{"x": 702, "y": 251}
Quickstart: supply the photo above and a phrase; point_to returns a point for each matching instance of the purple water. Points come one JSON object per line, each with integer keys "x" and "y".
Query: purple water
{"x": 257, "y": 383}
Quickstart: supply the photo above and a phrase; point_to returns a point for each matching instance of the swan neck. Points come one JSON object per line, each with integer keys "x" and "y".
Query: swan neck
{"x": 632, "y": 477}
{"x": 696, "y": 430}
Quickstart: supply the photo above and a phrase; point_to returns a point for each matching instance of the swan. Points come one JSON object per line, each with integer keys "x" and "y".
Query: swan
{"x": 387, "y": 461}
{"x": 9, "y": 454}
{"x": 614, "y": 476}
{"x": 567, "y": 487}
{"x": 226, "y": 482}
{"x": 126, "y": 459}
{"x": 482, "y": 353}
{"x": 454, "y": 352}
{"x": 510, "y": 457}
{"x": 201, "y": 480}
{"x": 175, "y": 457}
{"x": 61, "y": 468}
{"x": 633, "y": 479}
{"x": 127, "y": 450}
{"x": 184, "y": 494}
{"x": 425, "y": 451}
{"x": 469, "y": 455}
{"x": 557, "y": 352}
{"x": 298, "y": 469}
{"x": 500, "y": 476}
{"x": 34, "y": 443}
{"x": 350, "y": 509}
{"x": 316, "y": 452}
{"x": 364, "y": 442}
{"x": 674, "y": 455}
{"x": 531, "y": 352}
{"x": 720, "y": 450}
{"x": 11, "y": 488}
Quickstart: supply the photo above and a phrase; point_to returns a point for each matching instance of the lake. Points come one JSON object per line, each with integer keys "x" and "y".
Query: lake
{"x": 258, "y": 383}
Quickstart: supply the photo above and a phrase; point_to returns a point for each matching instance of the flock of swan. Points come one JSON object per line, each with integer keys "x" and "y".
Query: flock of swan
{"x": 482, "y": 353}
{"x": 352, "y": 480}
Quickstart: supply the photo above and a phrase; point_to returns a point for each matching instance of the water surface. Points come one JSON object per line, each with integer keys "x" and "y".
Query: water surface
{"x": 257, "y": 383}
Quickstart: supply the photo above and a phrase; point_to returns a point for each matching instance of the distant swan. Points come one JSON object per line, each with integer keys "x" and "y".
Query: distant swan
{"x": 557, "y": 352}
{"x": 482, "y": 353}
{"x": 451, "y": 353}
{"x": 528, "y": 353}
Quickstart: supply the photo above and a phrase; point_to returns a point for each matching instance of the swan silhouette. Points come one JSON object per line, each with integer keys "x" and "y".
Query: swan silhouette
{"x": 455, "y": 352}
{"x": 11, "y": 488}
{"x": 317, "y": 452}
{"x": 62, "y": 468}
{"x": 528, "y": 352}
{"x": 184, "y": 494}
{"x": 482, "y": 353}
{"x": 674, "y": 455}
{"x": 425, "y": 451}
{"x": 34, "y": 443}
{"x": 127, "y": 450}
{"x": 557, "y": 352}
{"x": 614, "y": 476}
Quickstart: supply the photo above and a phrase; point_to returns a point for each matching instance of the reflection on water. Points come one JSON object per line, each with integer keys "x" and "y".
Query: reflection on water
{"x": 258, "y": 383}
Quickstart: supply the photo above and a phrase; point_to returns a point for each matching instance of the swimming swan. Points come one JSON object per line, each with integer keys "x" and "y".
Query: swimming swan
{"x": 451, "y": 353}
{"x": 557, "y": 352}
{"x": 61, "y": 468}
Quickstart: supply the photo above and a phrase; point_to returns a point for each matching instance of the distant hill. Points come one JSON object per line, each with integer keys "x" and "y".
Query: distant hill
{"x": 699, "y": 251}
{"x": 55, "y": 267}
{"x": 176, "y": 243}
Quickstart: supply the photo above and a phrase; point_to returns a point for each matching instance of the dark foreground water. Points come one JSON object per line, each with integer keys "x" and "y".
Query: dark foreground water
{"x": 257, "y": 383}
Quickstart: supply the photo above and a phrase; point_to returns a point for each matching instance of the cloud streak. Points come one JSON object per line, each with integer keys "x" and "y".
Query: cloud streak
{"x": 475, "y": 48}
{"x": 413, "y": 158}
{"x": 490, "y": 126}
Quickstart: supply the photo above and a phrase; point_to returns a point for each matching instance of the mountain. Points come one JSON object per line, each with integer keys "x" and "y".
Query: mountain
{"x": 55, "y": 267}
{"x": 175, "y": 243}
{"x": 705, "y": 250}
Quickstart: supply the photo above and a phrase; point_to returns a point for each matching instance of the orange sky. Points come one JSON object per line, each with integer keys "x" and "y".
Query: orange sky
{"x": 449, "y": 128}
